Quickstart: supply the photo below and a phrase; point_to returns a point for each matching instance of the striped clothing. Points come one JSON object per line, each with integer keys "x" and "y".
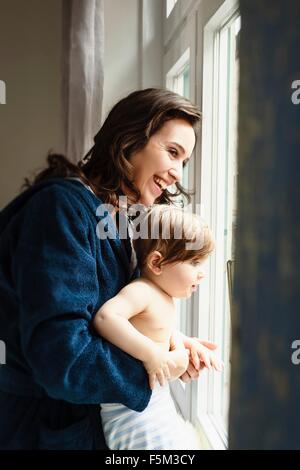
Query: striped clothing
{"x": 158, "y": 427}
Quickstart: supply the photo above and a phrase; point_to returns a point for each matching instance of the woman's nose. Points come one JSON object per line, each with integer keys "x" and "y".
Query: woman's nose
{"x": 176, "y": 172}
{"x": 200, "y": 275}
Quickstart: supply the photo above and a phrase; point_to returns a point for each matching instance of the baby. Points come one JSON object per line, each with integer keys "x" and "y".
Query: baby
{"x": 141, "y": 320}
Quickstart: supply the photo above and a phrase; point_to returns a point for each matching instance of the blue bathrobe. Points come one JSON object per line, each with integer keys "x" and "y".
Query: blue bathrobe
{"x": 55, "y": 273}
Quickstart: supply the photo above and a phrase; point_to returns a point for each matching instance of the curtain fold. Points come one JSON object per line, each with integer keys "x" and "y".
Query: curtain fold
{"x": 83, "y": 76}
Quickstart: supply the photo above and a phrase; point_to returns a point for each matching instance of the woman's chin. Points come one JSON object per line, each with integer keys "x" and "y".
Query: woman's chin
{"x": 147, "y": 200}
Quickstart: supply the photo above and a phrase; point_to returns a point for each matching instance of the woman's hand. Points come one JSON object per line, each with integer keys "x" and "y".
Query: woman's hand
{"x": 201, "y": 356}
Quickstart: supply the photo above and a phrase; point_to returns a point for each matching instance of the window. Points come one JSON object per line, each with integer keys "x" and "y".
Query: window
{"x": 218, "y": 191}
{"x": 178, "y": 80}
{"x": 170, "y": 6}
{"x": 179, "y": 71}
{"x": 211, "y": 80}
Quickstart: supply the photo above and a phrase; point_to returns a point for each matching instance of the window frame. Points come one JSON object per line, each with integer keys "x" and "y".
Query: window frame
{"x": 210, "y": 386}
{"x": 192, "y": 25}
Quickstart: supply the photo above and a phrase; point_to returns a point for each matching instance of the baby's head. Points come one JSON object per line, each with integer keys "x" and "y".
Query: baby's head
{"x": 172, "y": 254}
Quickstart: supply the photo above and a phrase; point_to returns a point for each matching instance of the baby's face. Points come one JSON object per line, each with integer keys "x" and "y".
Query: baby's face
{"x": 182, "y": 279}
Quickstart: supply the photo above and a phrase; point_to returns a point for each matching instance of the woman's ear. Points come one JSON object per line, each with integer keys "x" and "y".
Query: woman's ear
{"x": 153, "y": 262}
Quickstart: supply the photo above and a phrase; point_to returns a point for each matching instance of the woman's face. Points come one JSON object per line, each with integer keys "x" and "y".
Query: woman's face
{"x": 159, "y": 164}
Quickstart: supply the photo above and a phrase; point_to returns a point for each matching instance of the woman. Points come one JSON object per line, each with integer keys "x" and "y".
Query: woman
{"x": 56, "y": 273}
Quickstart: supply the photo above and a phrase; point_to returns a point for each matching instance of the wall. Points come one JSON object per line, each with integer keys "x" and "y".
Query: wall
{"x": 121, "y": 50}
{"x": 30, "y": 121}
{"x": 133, "y": 47}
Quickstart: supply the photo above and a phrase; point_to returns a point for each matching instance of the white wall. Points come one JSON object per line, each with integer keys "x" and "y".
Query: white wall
{"x": 30, "y": 121}
{"x": 133, "y": 47}
{"x": 152, "y": 43}
{"x": 121, "y": 50}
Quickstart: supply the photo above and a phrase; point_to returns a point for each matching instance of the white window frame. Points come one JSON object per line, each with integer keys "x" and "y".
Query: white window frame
{"x": 177, "y": 69}
{"x": 209, "y": 386}
{"x": 176, "y": 17}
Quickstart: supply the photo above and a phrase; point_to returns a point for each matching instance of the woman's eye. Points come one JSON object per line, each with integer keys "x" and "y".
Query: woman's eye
{"x": 195, "y": 263}
{"x": 173, "y": 152}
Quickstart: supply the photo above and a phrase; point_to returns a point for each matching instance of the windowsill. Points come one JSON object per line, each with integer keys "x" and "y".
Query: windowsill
{"x": 211, "y": 434}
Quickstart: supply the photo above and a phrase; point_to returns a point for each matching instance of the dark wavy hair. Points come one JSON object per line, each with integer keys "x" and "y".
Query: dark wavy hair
{"x": 126, "y": 130}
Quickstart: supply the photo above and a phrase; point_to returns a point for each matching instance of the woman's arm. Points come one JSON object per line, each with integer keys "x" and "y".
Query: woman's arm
{"x": 112, "y": 323}
{"x": 56, "y": 278}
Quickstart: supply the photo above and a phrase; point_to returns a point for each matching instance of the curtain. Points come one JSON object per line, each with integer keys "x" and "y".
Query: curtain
{"x": 265, "y": 387}
{"x": 83, "y": 77}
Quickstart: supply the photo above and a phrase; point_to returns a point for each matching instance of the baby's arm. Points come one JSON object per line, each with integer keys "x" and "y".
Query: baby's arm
{"x": 112, "y": 323}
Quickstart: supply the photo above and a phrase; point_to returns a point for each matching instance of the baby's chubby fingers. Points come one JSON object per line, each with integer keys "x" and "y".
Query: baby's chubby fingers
{"x": 195, "y": 358}
{"x": 217, "y": 364}
{"x": 208, "y": 344}
{"x": 152, "y": 380}
{"x": 161, "y": 378}
{"x": 206, "y": 360}
{"x": 166, "y": 372}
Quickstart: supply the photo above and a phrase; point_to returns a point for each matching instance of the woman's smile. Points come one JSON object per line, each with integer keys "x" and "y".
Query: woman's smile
{"x": 157, "y": 188}
{"x": 160, "y": 163}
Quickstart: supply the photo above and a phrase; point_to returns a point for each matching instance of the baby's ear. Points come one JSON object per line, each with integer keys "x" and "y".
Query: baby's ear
{"x": 154, "y": 262}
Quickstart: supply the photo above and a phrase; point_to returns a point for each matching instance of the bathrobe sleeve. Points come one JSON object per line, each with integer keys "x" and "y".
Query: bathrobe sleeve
{"x": 55, "y": 274}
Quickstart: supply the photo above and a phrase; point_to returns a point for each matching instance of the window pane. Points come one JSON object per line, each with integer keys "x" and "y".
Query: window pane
{"x": 170, "y": 6}
{"x": 230, "y": 210}
{"x": 223, "y": 176}
{"x": 186, "y": 82}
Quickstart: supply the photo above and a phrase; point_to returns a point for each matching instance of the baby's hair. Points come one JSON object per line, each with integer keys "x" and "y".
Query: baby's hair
{"x": 175, "y": 233}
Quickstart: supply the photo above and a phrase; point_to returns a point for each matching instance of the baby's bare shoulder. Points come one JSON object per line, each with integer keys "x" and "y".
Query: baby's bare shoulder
{"x": 143, "y": 286}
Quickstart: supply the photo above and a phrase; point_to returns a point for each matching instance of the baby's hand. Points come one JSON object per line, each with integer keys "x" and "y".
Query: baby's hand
{"x": 158, "y": 368}
{"x": 181, "y": 358}
{"x": 201, "y": 355}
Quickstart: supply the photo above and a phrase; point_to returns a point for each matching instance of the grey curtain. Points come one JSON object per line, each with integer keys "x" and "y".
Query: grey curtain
{"x": 82, "y": 62}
